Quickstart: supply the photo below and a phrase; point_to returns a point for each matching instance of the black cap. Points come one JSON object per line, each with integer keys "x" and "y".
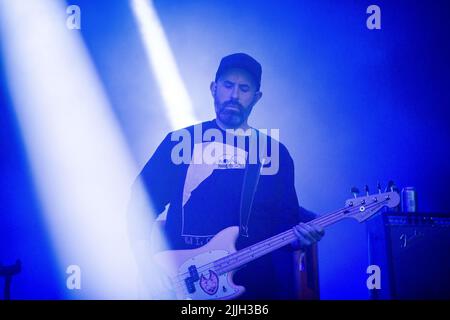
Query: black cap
{"x": 241, "y": 61}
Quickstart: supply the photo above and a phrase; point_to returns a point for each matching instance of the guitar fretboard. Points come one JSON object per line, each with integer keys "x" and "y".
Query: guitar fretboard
{"x": 246, "y": 255}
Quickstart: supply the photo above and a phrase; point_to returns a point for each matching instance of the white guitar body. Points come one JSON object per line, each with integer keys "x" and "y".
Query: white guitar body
{"x": 209, "y": 285}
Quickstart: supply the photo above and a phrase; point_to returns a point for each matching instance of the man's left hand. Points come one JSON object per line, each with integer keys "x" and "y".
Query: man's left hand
{"x": 307, "y": 234}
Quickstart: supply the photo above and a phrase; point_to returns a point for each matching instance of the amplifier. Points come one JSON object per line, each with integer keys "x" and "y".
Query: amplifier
{"x": 413, "y": 253}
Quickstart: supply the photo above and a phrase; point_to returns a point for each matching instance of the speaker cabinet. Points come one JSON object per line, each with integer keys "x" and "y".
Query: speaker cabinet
{"x": 413, "y": 252}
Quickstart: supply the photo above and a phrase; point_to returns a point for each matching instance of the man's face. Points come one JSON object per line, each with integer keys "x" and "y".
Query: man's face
{"x": 234, "y": 96}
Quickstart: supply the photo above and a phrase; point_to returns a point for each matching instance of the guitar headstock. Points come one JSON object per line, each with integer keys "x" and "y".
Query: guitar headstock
{"x": 362, "y": 208}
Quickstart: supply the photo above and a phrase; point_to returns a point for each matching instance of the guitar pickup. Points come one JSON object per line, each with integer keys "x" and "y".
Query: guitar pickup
{"x": 193, "y": 273}
{"x": 189, "y": 285}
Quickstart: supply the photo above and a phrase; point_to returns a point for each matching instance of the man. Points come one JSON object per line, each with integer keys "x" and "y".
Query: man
{"x": 204, "y": 177}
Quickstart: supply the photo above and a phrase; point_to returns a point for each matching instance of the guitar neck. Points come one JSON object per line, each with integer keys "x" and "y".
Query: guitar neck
{"x": 246, "y": 255}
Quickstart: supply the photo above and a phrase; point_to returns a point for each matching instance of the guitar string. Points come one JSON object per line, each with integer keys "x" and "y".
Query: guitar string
{"x": 332, "y": 217}
{"x": 276, "y": 240}
{"x": 292, "y": 235}
{"x": 254, "y": 249}
{"x": 272, "y": 239}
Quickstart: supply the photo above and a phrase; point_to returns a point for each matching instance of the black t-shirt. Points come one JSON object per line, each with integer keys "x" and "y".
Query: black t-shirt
{"x": 204, "y": 194}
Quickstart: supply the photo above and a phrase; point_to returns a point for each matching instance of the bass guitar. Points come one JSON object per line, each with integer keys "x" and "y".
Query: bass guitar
{"x": 206, "y": 273}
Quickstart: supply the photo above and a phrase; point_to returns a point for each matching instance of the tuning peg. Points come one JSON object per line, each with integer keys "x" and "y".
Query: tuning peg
{"x": 355, "y": 191}
{"x": 379, "y": 187}
{"x": 390, "y": 185}
{"x": 366, "y": 189}
{"x": 394, "y": 188}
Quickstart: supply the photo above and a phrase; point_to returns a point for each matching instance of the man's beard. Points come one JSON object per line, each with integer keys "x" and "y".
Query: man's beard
{"x": 232, "y": 114}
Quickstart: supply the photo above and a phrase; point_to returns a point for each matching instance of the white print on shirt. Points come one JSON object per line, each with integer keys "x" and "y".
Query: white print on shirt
{"x": 225, "y": 157}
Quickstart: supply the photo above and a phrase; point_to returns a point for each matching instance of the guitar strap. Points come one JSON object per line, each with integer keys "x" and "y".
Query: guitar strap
{"x": 249, "y": 185}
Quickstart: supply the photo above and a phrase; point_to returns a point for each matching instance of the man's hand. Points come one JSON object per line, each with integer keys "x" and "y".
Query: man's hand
{"x": 307, "y": 234}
